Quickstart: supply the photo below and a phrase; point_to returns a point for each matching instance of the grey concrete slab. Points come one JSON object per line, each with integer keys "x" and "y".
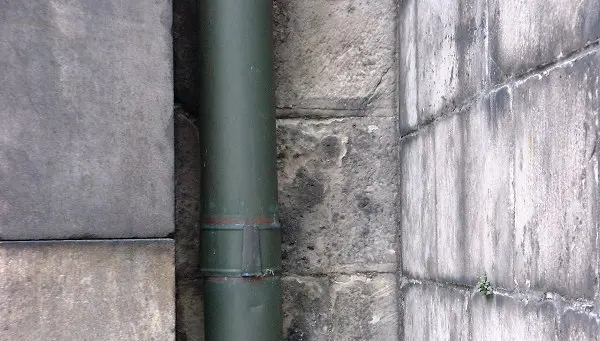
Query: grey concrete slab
{"x": 451, "y": 60}
{"x": 364, "y": 308}
{"x": 556, "y": 180}
{"x": 417, "y": 205}
{"x": 87, "y": 290}
{"x": 527, "y": 34}
{"x": 337, "y": 190}
{"x": 86, "y": 122}
{"x": 334, "y": 54}
{"x": 501, "y": 318}
{"x": 435, "y": 313}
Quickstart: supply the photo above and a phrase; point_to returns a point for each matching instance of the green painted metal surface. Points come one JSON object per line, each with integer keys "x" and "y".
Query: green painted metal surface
{"x": 241, "y": 238}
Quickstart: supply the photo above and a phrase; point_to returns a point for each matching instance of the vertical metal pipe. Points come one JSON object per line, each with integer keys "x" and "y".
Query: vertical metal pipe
{"x": 241, "y": 250}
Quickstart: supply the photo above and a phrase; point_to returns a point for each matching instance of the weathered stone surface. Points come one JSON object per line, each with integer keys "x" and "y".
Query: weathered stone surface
{"x": 451, "y": 64}
{"x": 334, "y": 54}
{"x": 407, "y": 66}
{"x": 364, "y": 308}
{"x": 417, "y": 205}
{"x": 527, "y": 34}
{"x": 86, "y": 124}
{"x": 306, "y": 308}
{"x": 185, "y": 53}
{"x": 190, "y": 310}
{"x": 115, "y": 290}
{"x": 501, "y": 318}
{"x": 435, "y": 313}
{"x": 187, "y": 196}
{"x": 556, "y": 181}
{"x": 579, "y": 326}
{"x": 337, "y": 194}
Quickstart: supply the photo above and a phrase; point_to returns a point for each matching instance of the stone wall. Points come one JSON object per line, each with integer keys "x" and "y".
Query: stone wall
{"x": 499, "y": 105}
{"x": 86, "y": 170}
{"x": 337, "y": 162}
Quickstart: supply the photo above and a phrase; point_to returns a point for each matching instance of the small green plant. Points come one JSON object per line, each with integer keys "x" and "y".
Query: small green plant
{"x": 484, "y": 286}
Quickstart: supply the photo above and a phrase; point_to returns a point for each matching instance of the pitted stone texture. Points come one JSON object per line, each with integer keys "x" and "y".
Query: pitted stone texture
{"x": 86, "y": 119}
{"x": 88, "y": 291}
{"x": 435, "y": 313}
{"x": 527, "y": 34}
{"x": 334, "y": 54}
{"x": 579, "y": 326}
{"x": 501, "y": 318}
{"x": 186, "y": 53}
{"x": 556, "y": 183}
{"x": 190, "y": 310}
{"x": 187, "y": 196}
{"x": 337, "y": 181}
{"x": 451, "y": 65}
{"x": 417, "y": 205}
{"x": 306, "y": 308}
{"x": 364, "y": 308}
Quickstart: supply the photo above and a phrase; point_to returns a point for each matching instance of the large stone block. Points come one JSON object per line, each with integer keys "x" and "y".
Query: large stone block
{"x": 451, "y": 63}
{"x": 556, "y": 182}
{"x": 527, "y": 34}
{"x": 337, "y": 181}
{"x": 306, "y": 308}
{"x": 417, "y": 205}
{"x": 86, "y": 123}
{"x": 457, "y": 196}
{"x": 334, "y": 54}
{"x": 435, "y": 313}
{"x": 501, "y": 318}
{"x": 105, "y": 290}
{"x": 187, "y": 196}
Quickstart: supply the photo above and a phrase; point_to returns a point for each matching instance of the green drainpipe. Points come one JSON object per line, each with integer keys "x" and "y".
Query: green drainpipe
{"x": 241, "y": 236}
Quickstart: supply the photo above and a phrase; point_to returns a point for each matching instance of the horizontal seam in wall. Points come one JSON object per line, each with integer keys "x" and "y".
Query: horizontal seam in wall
{"x": 591, "y": 47}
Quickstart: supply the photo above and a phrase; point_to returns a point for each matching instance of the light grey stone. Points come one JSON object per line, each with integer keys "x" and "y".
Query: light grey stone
{"x": 579, "y": 326}
{"x": 334, "y": 54}
{"x": 105, "y": 290}
{"x": 190, "y": 310}
{"x": 556, "y": 179}
{"x": 306, "y": 308}
{"x": 417, "y": 205}
{"x": 187, "y": 196}
{"x": 486, "y": 192}
{"x": 501, "y": 318}
{"x": 451, "y": 65}
{"x": 86, "y": 121}
{"x": 527, "y": 34}
{"x": 337, "y": 182}
{"x": 435, "y": 313}
{"x": 364, "y": 308}
{"x": 407, "y": 66}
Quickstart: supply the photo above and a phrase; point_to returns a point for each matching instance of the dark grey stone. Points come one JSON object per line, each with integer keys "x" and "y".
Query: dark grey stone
{"x": 86, "y": 119}
{"x": 186, "y": 56}
{"x": 190, "y": 310}
{"x": 187, "y": 196}
{"x": 306, "y": 308}
{"x": 87, "y": 290}
{"x": 337, "y": 189}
